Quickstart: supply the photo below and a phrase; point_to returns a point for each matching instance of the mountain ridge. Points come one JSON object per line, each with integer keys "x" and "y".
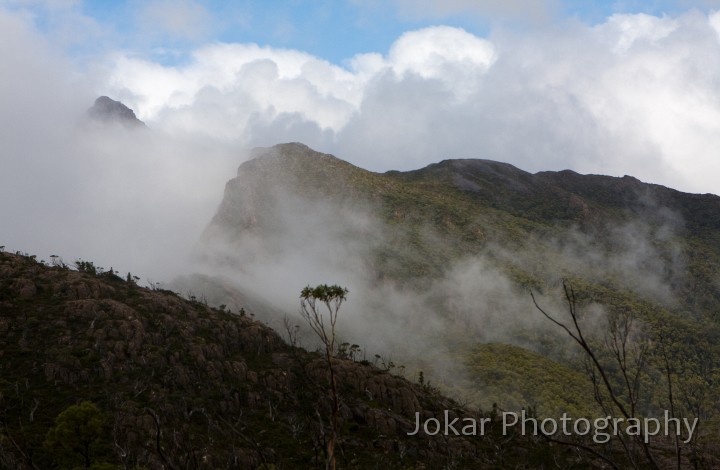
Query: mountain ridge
{"x": 492, "y": 200}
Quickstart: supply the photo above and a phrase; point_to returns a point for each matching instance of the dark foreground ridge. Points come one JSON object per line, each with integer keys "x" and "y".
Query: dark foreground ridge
{"x": 174, "y": 384}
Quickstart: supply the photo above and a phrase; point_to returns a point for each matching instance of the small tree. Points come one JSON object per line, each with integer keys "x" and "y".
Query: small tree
{"x": 87, "y": 267}
{"x": 311, "y": 302}
{"x": 78, "y": 436}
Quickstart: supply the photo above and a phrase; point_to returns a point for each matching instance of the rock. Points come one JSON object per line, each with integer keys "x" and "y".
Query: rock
{"x": 25, "y": 288}
{"x": 109, "y": 110}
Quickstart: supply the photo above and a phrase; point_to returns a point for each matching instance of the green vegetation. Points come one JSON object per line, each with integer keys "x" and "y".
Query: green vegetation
{"x": 630, "y": 250}
{"x": 79, "y": 438}
{"x": 516, "y": 378}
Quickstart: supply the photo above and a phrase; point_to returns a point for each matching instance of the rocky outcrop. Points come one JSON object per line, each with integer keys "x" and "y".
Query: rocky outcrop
{"x": 109, "y": 110}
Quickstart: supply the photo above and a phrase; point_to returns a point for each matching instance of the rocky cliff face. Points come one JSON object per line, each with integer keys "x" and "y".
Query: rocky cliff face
{"x": 252, "y": 198}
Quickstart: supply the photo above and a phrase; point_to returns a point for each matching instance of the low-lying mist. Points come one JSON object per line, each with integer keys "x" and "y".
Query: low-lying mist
{"x": 288, "y": 241}
{"x": 131, "y": 199}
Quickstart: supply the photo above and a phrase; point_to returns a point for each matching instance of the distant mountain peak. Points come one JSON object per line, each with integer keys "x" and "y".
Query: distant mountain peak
{"x": 106, "y": 109}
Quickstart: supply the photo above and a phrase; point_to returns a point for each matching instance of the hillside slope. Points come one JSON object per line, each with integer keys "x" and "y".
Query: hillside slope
{"x": 181, "y": 385}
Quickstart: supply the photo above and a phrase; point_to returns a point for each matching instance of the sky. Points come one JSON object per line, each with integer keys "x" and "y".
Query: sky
{"x": 627, "y": 87}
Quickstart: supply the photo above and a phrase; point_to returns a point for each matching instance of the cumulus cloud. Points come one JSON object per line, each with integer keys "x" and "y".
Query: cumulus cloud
{"x": 228, "y": 84}
{"x": 632, "y": 95}
{"x": 442, "y": 53}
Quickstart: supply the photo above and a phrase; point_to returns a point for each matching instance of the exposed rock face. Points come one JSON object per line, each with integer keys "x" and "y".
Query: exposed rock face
{"x": 109, "y": 110}
{"x": 250, "y": 199}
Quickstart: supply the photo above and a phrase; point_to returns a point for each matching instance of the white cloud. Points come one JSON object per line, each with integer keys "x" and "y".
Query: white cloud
{"x": 714, "y": 19}
{"x": 625, "y": 30}
{"x": 634, "y": 95}
{"x": 442, "y": 53}
{"x": 274, "y": 82}
{"x": 227, "y": 84}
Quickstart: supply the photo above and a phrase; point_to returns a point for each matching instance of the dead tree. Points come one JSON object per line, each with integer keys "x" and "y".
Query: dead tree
{"x": 630, "y": 365}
